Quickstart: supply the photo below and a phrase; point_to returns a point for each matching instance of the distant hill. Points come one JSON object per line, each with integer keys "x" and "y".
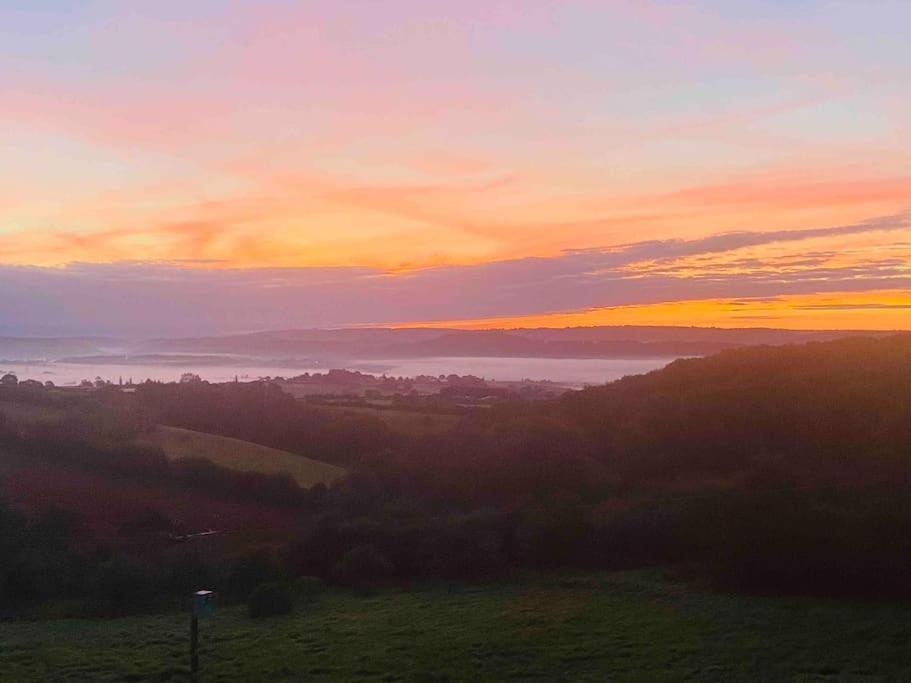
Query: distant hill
{"x": 342, "y": 345}
{"x": 40, "y": 348}
{"x": 577, "y": 342}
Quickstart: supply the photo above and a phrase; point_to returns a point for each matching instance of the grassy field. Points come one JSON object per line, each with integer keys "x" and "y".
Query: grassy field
{"x": 620, "y": 627}
{"x": 243, "y": 455}
{"x": 25, "y": 412}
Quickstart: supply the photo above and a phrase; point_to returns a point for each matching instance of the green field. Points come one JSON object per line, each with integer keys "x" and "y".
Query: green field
{"x": 616, "y": 627}
{"x": 243, "y": 455}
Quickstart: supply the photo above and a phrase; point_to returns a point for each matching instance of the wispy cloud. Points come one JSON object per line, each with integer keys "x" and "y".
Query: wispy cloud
{"x": 137, "y": 297}
{"x": 251, "y": 164}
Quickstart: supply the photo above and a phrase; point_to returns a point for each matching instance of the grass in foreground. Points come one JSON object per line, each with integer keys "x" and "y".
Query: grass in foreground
{"x": 620, "y": 627}
{"x": 243, "y": 455}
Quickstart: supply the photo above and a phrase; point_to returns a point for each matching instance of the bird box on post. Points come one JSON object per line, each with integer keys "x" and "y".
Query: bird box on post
{"x": 203, "y": 604}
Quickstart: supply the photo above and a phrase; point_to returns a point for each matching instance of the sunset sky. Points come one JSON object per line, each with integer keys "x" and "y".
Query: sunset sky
{"x": 209, "y": 166}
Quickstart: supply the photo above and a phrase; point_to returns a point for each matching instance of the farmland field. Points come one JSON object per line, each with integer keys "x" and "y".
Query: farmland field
{"x": 243, "y": 455}
{"x": 617, "y": 627}
{"x": 25, "y": 412}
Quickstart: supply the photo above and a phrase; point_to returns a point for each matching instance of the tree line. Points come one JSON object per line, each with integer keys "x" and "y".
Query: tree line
{"x": 770, "y": 469}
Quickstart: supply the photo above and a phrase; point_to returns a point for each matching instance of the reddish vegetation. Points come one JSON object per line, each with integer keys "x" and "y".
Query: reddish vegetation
{"x": 105, "y": 502}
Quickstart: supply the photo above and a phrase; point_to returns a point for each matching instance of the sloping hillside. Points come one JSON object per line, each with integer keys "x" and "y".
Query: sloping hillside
{"x": 837, "y": 410}
{"x": 243, "y": 455}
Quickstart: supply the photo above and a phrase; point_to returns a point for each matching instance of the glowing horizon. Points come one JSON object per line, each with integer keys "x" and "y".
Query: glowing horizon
{"x": 868, "y": 311}
{"x": 593, "y": 160}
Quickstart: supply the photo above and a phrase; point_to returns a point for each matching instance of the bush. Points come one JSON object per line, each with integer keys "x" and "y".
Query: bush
{"x": 270, "y": 600}
{"x": 250, "y": 570}
{"x": 308, "y": 587}
{"x": 123, "y": 586}
{"x": 361, "y": 565}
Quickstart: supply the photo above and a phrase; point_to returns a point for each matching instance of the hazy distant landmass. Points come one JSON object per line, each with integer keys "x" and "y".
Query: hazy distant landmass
{"x": 576, "y": 342}
{"x": 31, "y": 348}
{"x": 626, "y": 342}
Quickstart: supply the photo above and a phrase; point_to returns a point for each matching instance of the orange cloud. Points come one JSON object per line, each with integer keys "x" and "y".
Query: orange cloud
{"x": 404, "y": 137}
{"x": 873, "y": 310}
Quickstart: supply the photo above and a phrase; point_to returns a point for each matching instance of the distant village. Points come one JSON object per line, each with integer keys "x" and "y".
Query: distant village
{"x": 461, "y": 389}
{"x": 343, "y": 386}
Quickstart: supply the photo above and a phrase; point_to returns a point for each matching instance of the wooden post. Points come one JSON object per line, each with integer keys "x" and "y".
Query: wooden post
{"x": 203, "y": 606}
{"x": 194, "y": 647}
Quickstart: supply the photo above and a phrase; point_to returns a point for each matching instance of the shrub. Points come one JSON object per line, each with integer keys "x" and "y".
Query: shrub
{"x": 308, "y": 587}
{"x": 123, "y": 586}
{"x": 250, "y": 570}
{"x": 270, "y": 600}
{"x": 362, "y": 564}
